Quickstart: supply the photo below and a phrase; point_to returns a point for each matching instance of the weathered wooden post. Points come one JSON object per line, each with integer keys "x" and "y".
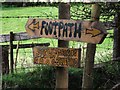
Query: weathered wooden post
{"x": 11, "y": 51}
{"x": 62, "y": 72}
{"x": 90, "y": 54}
{"x": 116, "y": 45}
{"x": 4, "y": 59}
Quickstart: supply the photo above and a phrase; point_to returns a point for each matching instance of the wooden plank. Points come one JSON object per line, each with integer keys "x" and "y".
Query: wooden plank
{"x": 28, "y": 45}
{"x": 31, "y": 45}
{"x": 60, "y": 57}
{"x": 17, "y": 37}
{"x": 62, "y": 29}
{"x": 24, "y": 36}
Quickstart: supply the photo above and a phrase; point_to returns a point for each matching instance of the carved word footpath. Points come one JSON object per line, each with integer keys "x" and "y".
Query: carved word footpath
{"x": 85, "y": 31}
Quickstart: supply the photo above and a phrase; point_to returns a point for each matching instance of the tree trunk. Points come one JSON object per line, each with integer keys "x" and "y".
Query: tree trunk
{"x": 116, "y": 45}
{"x": 62, "y": 72}
{"x": 90, "y": 54}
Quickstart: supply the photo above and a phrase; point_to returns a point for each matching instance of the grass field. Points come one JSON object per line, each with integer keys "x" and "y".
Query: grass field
{"x": 18, "y": 25}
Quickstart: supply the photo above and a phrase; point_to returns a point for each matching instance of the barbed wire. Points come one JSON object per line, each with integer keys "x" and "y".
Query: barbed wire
{"x": 25, "y": 16}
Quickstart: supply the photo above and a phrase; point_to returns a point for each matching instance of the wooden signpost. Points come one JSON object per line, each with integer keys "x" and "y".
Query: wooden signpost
{"x": 61, "y": 57}
{"x": 84, "y": 31}
{"x": 64, "y": 30}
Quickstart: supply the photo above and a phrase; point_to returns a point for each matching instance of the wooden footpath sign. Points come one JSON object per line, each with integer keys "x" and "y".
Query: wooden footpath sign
{"x": 85, "y": 31}
{"x": 24, "y": 35}
{"x": 61, "y": 57}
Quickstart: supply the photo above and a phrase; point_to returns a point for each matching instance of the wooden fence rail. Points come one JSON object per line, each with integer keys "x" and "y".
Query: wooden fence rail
{"x": 27, "y": 45}
{"x": 17, "y": 37}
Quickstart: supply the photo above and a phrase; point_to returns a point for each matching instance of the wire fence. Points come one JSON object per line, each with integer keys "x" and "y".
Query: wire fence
{"x": 23, "y": 57}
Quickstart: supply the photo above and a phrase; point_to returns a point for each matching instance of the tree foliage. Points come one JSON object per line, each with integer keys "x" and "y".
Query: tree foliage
{"x": 83, "y": 11}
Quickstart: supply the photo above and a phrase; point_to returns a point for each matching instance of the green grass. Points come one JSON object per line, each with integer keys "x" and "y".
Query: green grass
{"x": 18, "y": 24}
{"x": 13, "y": 24}
{"x": 28, "y": 11}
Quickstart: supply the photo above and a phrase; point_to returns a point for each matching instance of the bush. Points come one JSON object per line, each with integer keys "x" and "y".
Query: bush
{"x": 75, "y": 78}
{"x": 44, "y": 77}
{"x": 107, "y": 76}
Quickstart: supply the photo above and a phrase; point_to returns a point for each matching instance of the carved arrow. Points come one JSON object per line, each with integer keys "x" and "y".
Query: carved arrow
{"x": 33, "y": 25}
{"x": 94, "y": 32}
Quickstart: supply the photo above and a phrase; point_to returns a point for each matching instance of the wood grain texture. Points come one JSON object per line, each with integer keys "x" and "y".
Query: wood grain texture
{"x": 24, "y": 35}
{"x": 17, "y": 37}
{"x": 69, "y": 30}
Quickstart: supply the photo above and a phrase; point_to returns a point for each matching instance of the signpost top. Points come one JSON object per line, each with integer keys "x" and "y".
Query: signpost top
{"x": 62, "y": 29}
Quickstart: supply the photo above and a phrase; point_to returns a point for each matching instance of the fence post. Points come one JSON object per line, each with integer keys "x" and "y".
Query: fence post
{"x": 11, "y": 51}
{"x": 4, "y": 59}
{"x": 62, "y": 72}
{"x": 90, "y": 54}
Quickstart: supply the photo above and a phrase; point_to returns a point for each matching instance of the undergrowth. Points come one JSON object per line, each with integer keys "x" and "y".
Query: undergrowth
{"x": 104, "y": 77}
